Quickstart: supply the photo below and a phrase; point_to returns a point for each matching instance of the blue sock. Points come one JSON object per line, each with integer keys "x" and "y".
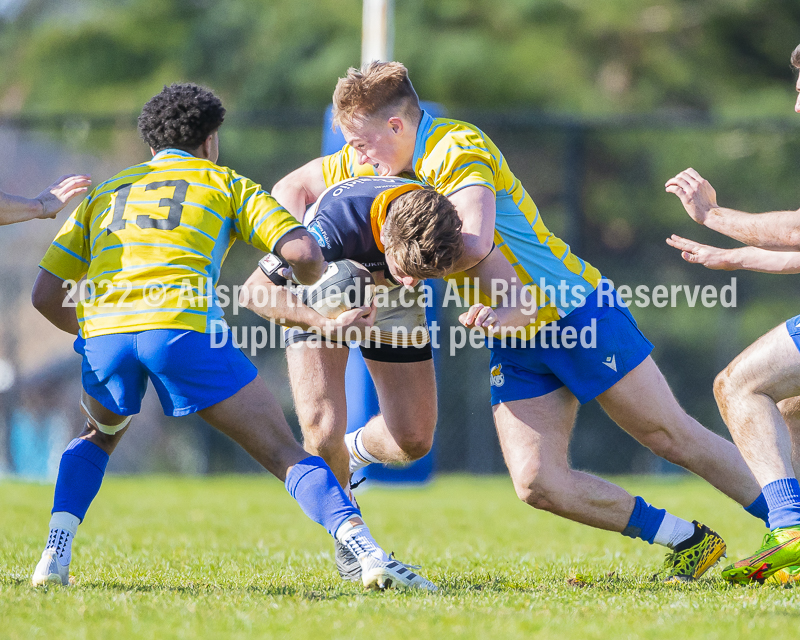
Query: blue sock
{"x": 783, "y": 498}
{"x": 759, "y": 509}
{"x": 645, "y": 521}
{"x": 80, "y": 475}
{"x": 317, "y": 491}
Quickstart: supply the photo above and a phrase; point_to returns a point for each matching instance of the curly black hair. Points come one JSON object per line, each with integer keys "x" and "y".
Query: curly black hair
{"x": 181, "y": 116}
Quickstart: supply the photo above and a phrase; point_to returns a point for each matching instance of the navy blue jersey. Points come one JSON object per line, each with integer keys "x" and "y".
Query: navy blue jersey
{"x": 346, "y": 219}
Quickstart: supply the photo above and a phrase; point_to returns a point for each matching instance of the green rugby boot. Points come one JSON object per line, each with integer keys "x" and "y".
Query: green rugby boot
{"x": 694, "y": 556}
{"x": 780, "y": 549}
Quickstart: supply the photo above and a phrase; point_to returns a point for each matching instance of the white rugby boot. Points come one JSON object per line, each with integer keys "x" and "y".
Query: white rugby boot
{"x": 378, "y": 571}
{"x": 50, "y": 571}
{"x": 53, "y": 568}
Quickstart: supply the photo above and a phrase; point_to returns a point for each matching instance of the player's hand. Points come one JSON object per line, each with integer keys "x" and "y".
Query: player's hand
{"x": 359, "y": 317}
{"x": 696, "y": 194}
{"x": 479, "y": 316}
{"x": 58, "y": 194}
{"x": 696, "y": 253}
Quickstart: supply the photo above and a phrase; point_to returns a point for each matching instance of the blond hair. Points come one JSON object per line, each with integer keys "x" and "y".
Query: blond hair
{"x": 422, "y": 234}
{"x": 796, "y": 57}
{"x": 378, "y": 88}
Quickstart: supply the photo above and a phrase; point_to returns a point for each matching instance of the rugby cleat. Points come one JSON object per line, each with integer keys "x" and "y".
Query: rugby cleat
{"x": 346, "y": 563}
{"x": 694, "y": 556}
{"x": 382, "y": 574}
{"x": 50, "y": 571}
{"x": 786, "y": 577}
{"x": 780, "y": 549}
{"x": 378, "y": 571}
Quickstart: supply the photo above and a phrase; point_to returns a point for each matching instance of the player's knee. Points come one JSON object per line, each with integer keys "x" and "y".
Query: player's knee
{"x": 323, "y": 438}
{"x": 107, "y": 442}
{"x": 723, "y": 386}
{"x": 417, "y": 445}
{"x": 669, "y": 446}
{"x": 532, "y": 488}
{"x": 537, "y": 495}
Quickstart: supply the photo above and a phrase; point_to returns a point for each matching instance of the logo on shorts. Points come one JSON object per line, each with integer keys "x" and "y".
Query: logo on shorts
{"x": 611, "y": 362}
{"x": 497, "y": 377}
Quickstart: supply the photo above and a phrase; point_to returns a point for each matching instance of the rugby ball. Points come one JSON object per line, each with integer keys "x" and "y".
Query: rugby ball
{"x": 344, "y": 285}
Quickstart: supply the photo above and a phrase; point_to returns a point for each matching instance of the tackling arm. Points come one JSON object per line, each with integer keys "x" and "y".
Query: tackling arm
{"x": 49, "y": 297}
{"x": 300, "y": 188}
{"x": 515, "y": 306}
{"x": 476, "y": 208}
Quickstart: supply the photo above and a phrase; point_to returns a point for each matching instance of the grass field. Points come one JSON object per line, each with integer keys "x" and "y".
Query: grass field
{"x": 233, "y": 557}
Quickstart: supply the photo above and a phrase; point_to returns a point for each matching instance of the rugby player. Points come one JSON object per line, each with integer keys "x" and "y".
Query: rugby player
{"x": 151, "y": 242}
{"x": 536, "y": 390}
{"x": 403, "y": 233}
{"x": 758, "y": 394}
{"x": 47, "y": 204}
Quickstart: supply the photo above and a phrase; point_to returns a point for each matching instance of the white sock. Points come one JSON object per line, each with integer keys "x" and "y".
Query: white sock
{"x": 355, "y": 535}
{"x": 673, "y": 531}
{"x": 63, "y": 527}
{"x": 359, "y": 456}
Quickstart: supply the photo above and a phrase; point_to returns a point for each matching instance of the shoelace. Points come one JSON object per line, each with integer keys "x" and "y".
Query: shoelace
{"x": 769, "y": 541}
{"x": 407, "y": 566}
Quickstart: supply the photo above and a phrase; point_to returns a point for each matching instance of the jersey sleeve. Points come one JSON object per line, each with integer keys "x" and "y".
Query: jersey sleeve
{"x": 343, "y": 165}
{"x": 336, "y": 238}
{"x": 69, "y": 254}
{"x": 259, "y": 219}
{"x": 459, "y": 161}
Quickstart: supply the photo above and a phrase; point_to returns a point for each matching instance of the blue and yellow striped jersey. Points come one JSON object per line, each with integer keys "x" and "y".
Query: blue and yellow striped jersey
{"x": 151, "y": 242}
{"x": 450, "y": 155}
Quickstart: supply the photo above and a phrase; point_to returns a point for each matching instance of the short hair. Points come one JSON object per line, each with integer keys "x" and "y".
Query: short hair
{"x": 375, "y": 88}
{"x": 796, "y": 57}
{"x": 422, "y": 234}
{"x": 181, "y": 116}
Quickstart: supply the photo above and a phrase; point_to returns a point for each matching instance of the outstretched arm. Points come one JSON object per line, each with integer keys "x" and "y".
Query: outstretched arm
{"x": 300, "y": 188}
{"x": 775, "y": 230}
{"x": 749, "y": 258}
{"x": 47, "y": 204}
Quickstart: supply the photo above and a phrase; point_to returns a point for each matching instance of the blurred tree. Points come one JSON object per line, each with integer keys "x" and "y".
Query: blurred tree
{"x": 574, "y": 55}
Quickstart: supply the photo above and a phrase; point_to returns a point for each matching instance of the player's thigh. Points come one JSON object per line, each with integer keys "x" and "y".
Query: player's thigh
{"x": 535, "y": 432}
{"x": 642, "y": 403}
{"x": 254, "y": 418}
{"x": 770, "y": 366}
{"x": 317, "y": 378}
{"x": 407, "y": 395}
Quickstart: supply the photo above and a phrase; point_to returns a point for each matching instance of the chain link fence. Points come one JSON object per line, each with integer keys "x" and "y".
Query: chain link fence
{"x": 599, "y": 184}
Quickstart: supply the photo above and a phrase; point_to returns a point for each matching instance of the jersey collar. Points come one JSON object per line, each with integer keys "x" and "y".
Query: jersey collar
{"x": 172, "y": 152}
{"x": 377, "y": 212}
{"x": 423, "y": 131}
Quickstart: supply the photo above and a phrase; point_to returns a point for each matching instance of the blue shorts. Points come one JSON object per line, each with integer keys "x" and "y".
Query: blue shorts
{"x": 793, "y": 325}
{"x": 187, "y": 371}
{"x": 588, "y": 351}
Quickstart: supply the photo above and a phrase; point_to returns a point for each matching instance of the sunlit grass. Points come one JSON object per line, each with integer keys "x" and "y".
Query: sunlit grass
{"x": 234, "y": 557}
